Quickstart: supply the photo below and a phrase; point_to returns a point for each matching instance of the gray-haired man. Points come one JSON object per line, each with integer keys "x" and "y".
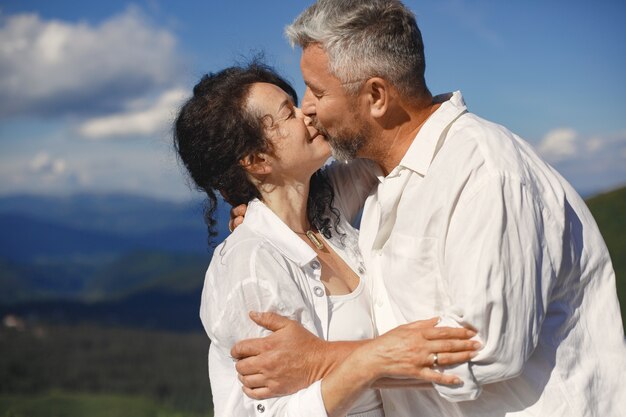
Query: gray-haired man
{"x": 466, "y": 222}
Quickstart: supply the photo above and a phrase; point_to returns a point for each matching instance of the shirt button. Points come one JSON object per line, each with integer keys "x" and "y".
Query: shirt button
{"x": 315, "y": 265}
{"x": 379, "y": 302}
{"x": 319, "y": 291}
{"x": 260, "y": 408}
{"x": 361, "y": 270}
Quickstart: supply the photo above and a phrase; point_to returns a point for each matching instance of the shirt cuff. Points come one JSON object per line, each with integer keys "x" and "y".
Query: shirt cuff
{"x": 469, "y": 389}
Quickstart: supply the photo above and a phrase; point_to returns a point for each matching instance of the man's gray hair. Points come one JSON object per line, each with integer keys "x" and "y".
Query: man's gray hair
{"x": 364, "y": 39}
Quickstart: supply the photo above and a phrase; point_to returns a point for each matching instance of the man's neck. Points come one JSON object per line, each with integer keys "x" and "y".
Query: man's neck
{"x": 395, "y": 141}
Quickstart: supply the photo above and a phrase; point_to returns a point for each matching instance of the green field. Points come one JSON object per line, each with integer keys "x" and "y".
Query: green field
{"x": 156, "y": 373}
{"x": 60, "y": 404}
{"x": 609, "y": 210}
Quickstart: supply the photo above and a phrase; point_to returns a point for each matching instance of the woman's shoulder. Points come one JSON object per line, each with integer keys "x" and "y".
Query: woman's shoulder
{"x": 246, "y": 273}
{"x": 245, "y": 254}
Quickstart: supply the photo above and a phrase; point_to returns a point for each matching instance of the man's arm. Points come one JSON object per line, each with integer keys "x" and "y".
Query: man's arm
{"x": 498, "y": 272}
{"x": 292, "y": 358}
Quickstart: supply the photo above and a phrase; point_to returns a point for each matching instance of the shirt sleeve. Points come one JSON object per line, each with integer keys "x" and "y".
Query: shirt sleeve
{"x": 352, "y": 183}
{"x": 498, "y": 270}
{"x": 250, "y": 278}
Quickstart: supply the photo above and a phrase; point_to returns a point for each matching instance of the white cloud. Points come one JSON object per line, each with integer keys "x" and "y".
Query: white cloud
{"x": 51, "y": 67}
{"x": 591, "y": 163}
{"x": 43, "y": 164}
{"x": 152, "y": 119}
{"x": 559, "y": 144}
{"x": 595, "y": 144}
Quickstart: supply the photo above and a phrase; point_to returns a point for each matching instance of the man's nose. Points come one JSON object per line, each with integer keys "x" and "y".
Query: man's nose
{"x": 308, "y": 103}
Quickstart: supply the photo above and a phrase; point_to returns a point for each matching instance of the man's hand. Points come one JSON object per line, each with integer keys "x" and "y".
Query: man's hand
{"x": 236, "y": 216}
{"x": 282, "y": 363}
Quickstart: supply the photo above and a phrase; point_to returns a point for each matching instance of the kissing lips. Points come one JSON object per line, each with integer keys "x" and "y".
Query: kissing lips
{"x": 315, "y": 136}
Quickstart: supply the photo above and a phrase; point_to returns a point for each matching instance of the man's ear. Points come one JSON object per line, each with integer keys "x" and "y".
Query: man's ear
{"x": 377, "y": 92}
{"x": 256, "y": 164}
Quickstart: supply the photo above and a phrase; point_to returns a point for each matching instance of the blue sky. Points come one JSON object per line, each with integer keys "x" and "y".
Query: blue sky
{"x": 88, "y": 90}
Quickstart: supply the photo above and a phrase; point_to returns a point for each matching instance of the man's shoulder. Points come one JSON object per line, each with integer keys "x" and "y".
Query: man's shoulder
{"x": 479, "y": 144}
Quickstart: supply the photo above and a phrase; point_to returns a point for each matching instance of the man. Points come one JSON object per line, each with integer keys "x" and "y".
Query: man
{"x": 466, "y": 223}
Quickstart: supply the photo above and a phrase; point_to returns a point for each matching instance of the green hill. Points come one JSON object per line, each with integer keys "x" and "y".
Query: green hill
{"x": 609, "y": 210}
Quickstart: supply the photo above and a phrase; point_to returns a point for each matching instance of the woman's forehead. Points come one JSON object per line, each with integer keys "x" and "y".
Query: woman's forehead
{"x": 267, "y": 98}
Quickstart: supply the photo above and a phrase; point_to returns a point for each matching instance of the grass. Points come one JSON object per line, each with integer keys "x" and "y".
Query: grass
{"x": 63, "y": 404}
{"x": 609, "y": 210}
{"x": 167, "y": 369}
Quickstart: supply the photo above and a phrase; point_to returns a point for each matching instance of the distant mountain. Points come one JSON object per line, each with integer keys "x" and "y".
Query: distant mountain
{"x": 97, "y": 246}
{"x": 148, "y": 271}
{"x": 153, "y": 309}
{"x": 150, "y": 281}
{"x": 122, "y": 214}
{"x": 26, "y": 238}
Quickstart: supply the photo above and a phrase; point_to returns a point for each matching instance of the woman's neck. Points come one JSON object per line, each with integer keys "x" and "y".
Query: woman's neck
{"x": 289, "y": 202}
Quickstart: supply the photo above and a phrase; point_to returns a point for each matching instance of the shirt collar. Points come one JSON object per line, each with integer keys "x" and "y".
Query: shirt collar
{"x": 266, "y": 223}
{"x": 427, "y": 141}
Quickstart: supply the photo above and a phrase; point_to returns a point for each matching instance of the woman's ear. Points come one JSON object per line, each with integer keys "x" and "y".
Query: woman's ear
{"x": 256, "y": 164}
{"x": 377, "y": 90}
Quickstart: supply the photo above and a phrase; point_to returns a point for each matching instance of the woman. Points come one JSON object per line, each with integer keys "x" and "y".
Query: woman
{"x": 295, "y": 253}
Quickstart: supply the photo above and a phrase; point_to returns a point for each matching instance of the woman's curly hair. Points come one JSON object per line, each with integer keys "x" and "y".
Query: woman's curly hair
{"x": 214, "y": 131}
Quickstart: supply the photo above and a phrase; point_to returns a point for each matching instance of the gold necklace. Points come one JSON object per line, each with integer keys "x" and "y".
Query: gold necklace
{"x": 311, "y": 235}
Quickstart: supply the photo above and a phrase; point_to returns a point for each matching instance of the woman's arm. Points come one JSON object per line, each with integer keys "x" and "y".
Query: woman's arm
{"x": 291, "y": 358}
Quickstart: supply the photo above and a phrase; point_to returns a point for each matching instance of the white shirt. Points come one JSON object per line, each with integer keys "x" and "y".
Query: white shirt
{"x": 264, "y": 266}
{"x": 473, "y": 226}
{"x": 351, "y": 319}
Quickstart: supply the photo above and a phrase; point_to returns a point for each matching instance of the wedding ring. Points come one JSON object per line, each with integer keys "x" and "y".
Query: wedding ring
{"x": 435, "y": 360}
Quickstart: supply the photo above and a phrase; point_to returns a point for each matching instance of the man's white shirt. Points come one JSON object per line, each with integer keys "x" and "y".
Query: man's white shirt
{"x": 474, "y": 227}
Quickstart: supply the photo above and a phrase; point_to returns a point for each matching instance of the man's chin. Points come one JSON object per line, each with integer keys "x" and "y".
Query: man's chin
{"x": 342, "y": 155}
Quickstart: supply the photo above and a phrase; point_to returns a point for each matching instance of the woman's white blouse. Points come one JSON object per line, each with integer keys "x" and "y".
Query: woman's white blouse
{"x": 264, "y": 266}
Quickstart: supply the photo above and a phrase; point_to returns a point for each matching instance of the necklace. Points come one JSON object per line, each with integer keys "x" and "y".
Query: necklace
{"x": 309, "y": 233}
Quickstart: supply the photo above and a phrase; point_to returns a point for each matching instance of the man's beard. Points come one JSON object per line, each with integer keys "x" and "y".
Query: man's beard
{"x": 345, "y": 145}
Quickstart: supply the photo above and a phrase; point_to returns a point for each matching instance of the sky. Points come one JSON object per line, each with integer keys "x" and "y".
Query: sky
{"x": 89, "y": 90}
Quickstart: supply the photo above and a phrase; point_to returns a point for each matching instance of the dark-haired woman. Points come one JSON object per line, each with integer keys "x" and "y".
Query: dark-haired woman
{"x": 242, "y": 135}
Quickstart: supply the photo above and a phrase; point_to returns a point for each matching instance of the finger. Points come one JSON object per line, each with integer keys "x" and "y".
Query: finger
{"x": 448, "y": 333}
{"x": 238, "y": 211}
{"x": 248, "y": 366}
{"x": 262, "y": 393}
{"x": 439, "y": 378}
{"x": 247, "y": 348}
{"x": 452, "y": 345}
{"x": 270, "y": 321}
{"x": 454, "y": 358}
{"x": 253, "y": 381}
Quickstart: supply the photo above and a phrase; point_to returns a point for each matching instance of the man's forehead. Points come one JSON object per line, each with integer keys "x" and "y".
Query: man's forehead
{"x": 315, "y": 67}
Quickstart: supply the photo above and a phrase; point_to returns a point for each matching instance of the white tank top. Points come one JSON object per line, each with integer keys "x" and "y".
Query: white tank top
{"x": 351, "y": 319}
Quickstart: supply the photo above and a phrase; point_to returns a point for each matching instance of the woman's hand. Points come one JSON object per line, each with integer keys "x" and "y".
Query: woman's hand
{"x": 409, "y": 352}
{"x": 236, "y": 216}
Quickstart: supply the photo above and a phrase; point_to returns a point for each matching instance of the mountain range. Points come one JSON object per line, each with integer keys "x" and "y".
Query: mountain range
{"x": 138, "y": 261}
{"x": 90, "y": 247}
